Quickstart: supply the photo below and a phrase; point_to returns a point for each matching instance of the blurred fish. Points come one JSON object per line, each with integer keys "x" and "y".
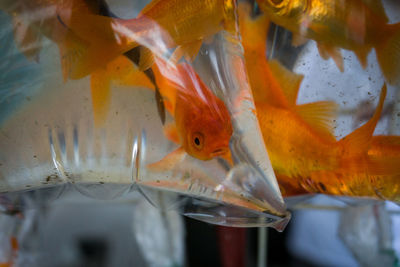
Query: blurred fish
{"x": 304, "y": 153}
{"x": 84, "y": 30}
{"x": 162, "y": 24}
{"x": 356, "y": 25}
{"x": 202, "y": 125}
{"x": 33, "y": 20}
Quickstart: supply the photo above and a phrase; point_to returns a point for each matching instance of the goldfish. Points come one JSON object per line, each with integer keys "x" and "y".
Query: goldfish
{"x": 202, "y": 126}
{"x": 356, "y": 25}
{"x": 161, "y": 25}
{"x": 304, "y": 153}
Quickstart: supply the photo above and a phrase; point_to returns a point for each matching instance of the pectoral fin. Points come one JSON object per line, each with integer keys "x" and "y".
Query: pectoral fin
{"x": 169, "y": 161}
{"x": 320, "y": 116}
{"x": 171, "y": 133}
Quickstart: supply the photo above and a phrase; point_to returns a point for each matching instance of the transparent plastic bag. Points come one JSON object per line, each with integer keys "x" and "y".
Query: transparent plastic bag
{"x": 94, "y": 119}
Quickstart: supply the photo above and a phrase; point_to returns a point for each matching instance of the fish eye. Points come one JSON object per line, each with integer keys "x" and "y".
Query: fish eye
{"x": 198, "y": 140}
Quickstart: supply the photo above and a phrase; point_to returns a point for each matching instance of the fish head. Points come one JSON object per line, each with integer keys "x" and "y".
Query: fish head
{"x": 208, "y": 132}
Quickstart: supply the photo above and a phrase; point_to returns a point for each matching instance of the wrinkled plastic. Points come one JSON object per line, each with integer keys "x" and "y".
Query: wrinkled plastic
{"x": 52, "y": 138}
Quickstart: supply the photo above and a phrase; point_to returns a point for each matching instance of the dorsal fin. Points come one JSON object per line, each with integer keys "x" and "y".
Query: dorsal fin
{"x": 360, "y": 139}
{"x": 376, "y": 7}
{"x": 289, "y": 81}
{"x": 319, "y": 116}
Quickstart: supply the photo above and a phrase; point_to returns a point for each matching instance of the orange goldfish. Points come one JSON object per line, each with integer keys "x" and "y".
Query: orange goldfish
{"x": 356, "y": 25}
{"x": 304, "y": 153}
{"x": 202, "y": 125}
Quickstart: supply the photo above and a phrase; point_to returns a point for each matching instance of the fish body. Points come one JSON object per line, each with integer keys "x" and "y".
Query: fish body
{"x": 356, "y": 25}
{"x": 295, "y": 148}
{"x": 304, "y": 153}
{"x": 342, "y": 181}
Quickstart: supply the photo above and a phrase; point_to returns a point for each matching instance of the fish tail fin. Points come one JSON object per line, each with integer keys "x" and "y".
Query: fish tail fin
{"x": 388, "y": 53}
{"x": 72, "y": 52}
{"x": 359, "y": 141}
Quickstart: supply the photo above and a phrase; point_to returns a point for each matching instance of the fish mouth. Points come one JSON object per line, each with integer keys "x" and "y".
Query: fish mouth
{"x": 219, "y": 152}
